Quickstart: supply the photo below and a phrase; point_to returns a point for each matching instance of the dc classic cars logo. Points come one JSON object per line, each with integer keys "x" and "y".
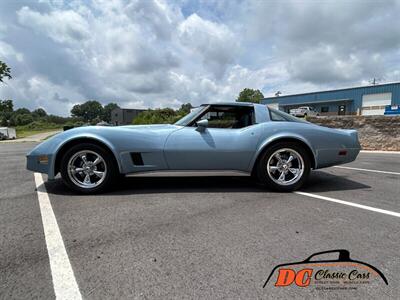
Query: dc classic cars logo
{"x": 326, "y": 274}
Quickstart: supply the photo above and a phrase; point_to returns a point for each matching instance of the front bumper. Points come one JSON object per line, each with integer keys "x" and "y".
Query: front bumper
{"x": 36, "y": 163}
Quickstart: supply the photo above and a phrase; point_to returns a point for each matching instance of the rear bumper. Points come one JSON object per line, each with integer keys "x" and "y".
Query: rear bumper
{"x": 332, "y": 157}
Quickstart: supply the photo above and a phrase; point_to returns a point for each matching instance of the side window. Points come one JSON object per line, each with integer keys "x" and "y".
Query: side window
{"x": 276, "y": 117}
{"x": 229, "y": 117}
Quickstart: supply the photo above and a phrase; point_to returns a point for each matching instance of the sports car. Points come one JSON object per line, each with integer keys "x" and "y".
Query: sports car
{"x": 275, "y": 148}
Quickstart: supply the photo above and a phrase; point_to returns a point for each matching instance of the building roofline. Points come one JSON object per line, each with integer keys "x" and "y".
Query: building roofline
{"x": 334, "y": 90}
{"x": 315, "y": 102}
{"x": 229, "y": 104}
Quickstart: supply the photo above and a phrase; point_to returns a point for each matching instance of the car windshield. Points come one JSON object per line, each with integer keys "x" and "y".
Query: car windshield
{"x": 189, "y": 117}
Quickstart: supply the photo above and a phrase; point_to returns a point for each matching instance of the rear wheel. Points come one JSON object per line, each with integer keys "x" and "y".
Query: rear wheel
{"x": 88, "y": 168}
{"x": 284, "y": 167}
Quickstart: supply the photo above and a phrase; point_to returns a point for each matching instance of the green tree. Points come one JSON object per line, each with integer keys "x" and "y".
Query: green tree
{"x": 107, "y": 111}
{"x": 157, "y": 116}
{"x": 6, "y": 106}
{"x": 250, "y": 95}
{"x": 39, "y": 113}
{"x": 162, "y": 115}
{"x": 21, "y": 116}
{"x": 185, "y": 109}
{"x": 22, "y": 111}
{"x": 4, "y": 71}
{"x": 23, "y": 119}
{"x": 6, "y": 110}
{"x": 56, "y": 119}
{"x": 88, "y": 111}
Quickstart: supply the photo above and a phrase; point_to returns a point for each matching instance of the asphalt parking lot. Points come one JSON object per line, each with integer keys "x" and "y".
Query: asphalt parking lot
{"x": 200, "y": 237}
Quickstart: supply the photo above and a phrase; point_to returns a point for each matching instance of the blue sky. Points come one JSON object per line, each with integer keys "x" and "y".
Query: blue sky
{"x": 162, "y": 53}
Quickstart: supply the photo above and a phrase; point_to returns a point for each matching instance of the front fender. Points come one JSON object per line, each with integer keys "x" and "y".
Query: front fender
{"x": 87, "y": 136}
{"x": 51, "y": 148}
{"x": 281, "y": 136}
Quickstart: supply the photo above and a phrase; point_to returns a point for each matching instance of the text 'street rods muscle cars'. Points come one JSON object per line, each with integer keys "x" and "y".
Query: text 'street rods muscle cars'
{"x": 279, "y": 150}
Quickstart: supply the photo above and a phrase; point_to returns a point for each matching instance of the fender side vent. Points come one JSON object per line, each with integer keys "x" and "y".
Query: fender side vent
{"x": 137, "y": 158}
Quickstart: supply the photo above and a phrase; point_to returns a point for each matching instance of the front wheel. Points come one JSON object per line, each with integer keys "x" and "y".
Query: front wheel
{"x": 284, "y": 167}
{"x": 88, "y": 168}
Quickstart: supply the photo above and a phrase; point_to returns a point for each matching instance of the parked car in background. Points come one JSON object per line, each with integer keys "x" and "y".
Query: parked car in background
{"x": 103, "y": 123}
{"x": 8, "y": 133}
{"x": 303, "y": 111}
{"x": 277, "y": 149}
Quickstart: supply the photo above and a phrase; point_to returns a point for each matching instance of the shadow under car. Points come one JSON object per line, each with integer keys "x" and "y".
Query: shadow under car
{"x": 318, "y": 181}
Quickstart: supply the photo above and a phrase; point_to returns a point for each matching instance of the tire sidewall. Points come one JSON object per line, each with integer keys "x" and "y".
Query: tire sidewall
{"x": 111, "y": 174}
{"x": 262, "y": 173}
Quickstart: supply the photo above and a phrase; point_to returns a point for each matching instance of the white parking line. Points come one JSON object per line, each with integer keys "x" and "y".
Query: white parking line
{"x": 367, "y": 170}
{"x": 370, "y": 208}
{"x": 380, "y": 152}
{"x": 64, "y": 282}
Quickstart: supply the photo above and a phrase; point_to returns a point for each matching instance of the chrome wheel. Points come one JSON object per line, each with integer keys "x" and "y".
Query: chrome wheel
{"x": 285, "y": 166}
{"x": 87, "y": 169}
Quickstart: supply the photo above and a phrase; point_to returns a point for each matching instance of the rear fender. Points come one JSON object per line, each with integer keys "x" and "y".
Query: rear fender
{"x": 284, "y": 137}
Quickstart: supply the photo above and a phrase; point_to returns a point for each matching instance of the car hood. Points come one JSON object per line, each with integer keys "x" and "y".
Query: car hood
{"x": 149, "y": 127}
{"x": 126, "y": 128}
{"x": 116, "y": 135}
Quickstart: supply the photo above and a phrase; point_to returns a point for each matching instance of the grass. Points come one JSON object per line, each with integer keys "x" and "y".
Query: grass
{"x": 25, "y": 132}
{"x": 42, "y": 126}
{"x": 36, "y": 127}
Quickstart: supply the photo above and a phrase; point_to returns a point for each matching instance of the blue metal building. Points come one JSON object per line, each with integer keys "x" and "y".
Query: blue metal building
{"x": 364, "y": 100}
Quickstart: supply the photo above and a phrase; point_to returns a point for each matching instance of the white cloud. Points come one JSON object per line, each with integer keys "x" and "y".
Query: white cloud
{"x": 333, "y": 42}
{"x": 8, "y": 51}
{"x": 38, "y": 91}
{"x": 214, "y": 43}
{"x": 324, "y": 64}
{"x": 150, "y": 53}
{"x": 62, "y": 26}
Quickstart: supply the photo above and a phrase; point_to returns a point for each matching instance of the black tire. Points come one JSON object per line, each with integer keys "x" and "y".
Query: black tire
{"x": 109, "y": 162}
{"x": 265, "y": 179}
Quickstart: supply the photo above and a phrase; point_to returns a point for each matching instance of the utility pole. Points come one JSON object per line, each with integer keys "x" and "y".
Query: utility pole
{"x": 375, "y": 81}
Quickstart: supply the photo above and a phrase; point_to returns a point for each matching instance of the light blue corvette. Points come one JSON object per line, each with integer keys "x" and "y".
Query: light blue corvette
{"x": 275, "y": 148}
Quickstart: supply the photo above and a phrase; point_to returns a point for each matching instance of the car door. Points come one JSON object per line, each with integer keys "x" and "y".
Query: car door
{"x": 228, "y": 143}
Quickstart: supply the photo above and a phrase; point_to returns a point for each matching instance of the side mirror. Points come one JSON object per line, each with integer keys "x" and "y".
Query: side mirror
{"x": 202, "y": 125}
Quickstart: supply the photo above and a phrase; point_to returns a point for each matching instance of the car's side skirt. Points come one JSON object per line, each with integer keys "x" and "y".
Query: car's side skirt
{"x": 188, "y": 173}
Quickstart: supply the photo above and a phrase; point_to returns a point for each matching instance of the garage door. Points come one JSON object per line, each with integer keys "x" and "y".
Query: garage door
{"x": 374, "y": 104}
{"x": 273, "y": 105}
